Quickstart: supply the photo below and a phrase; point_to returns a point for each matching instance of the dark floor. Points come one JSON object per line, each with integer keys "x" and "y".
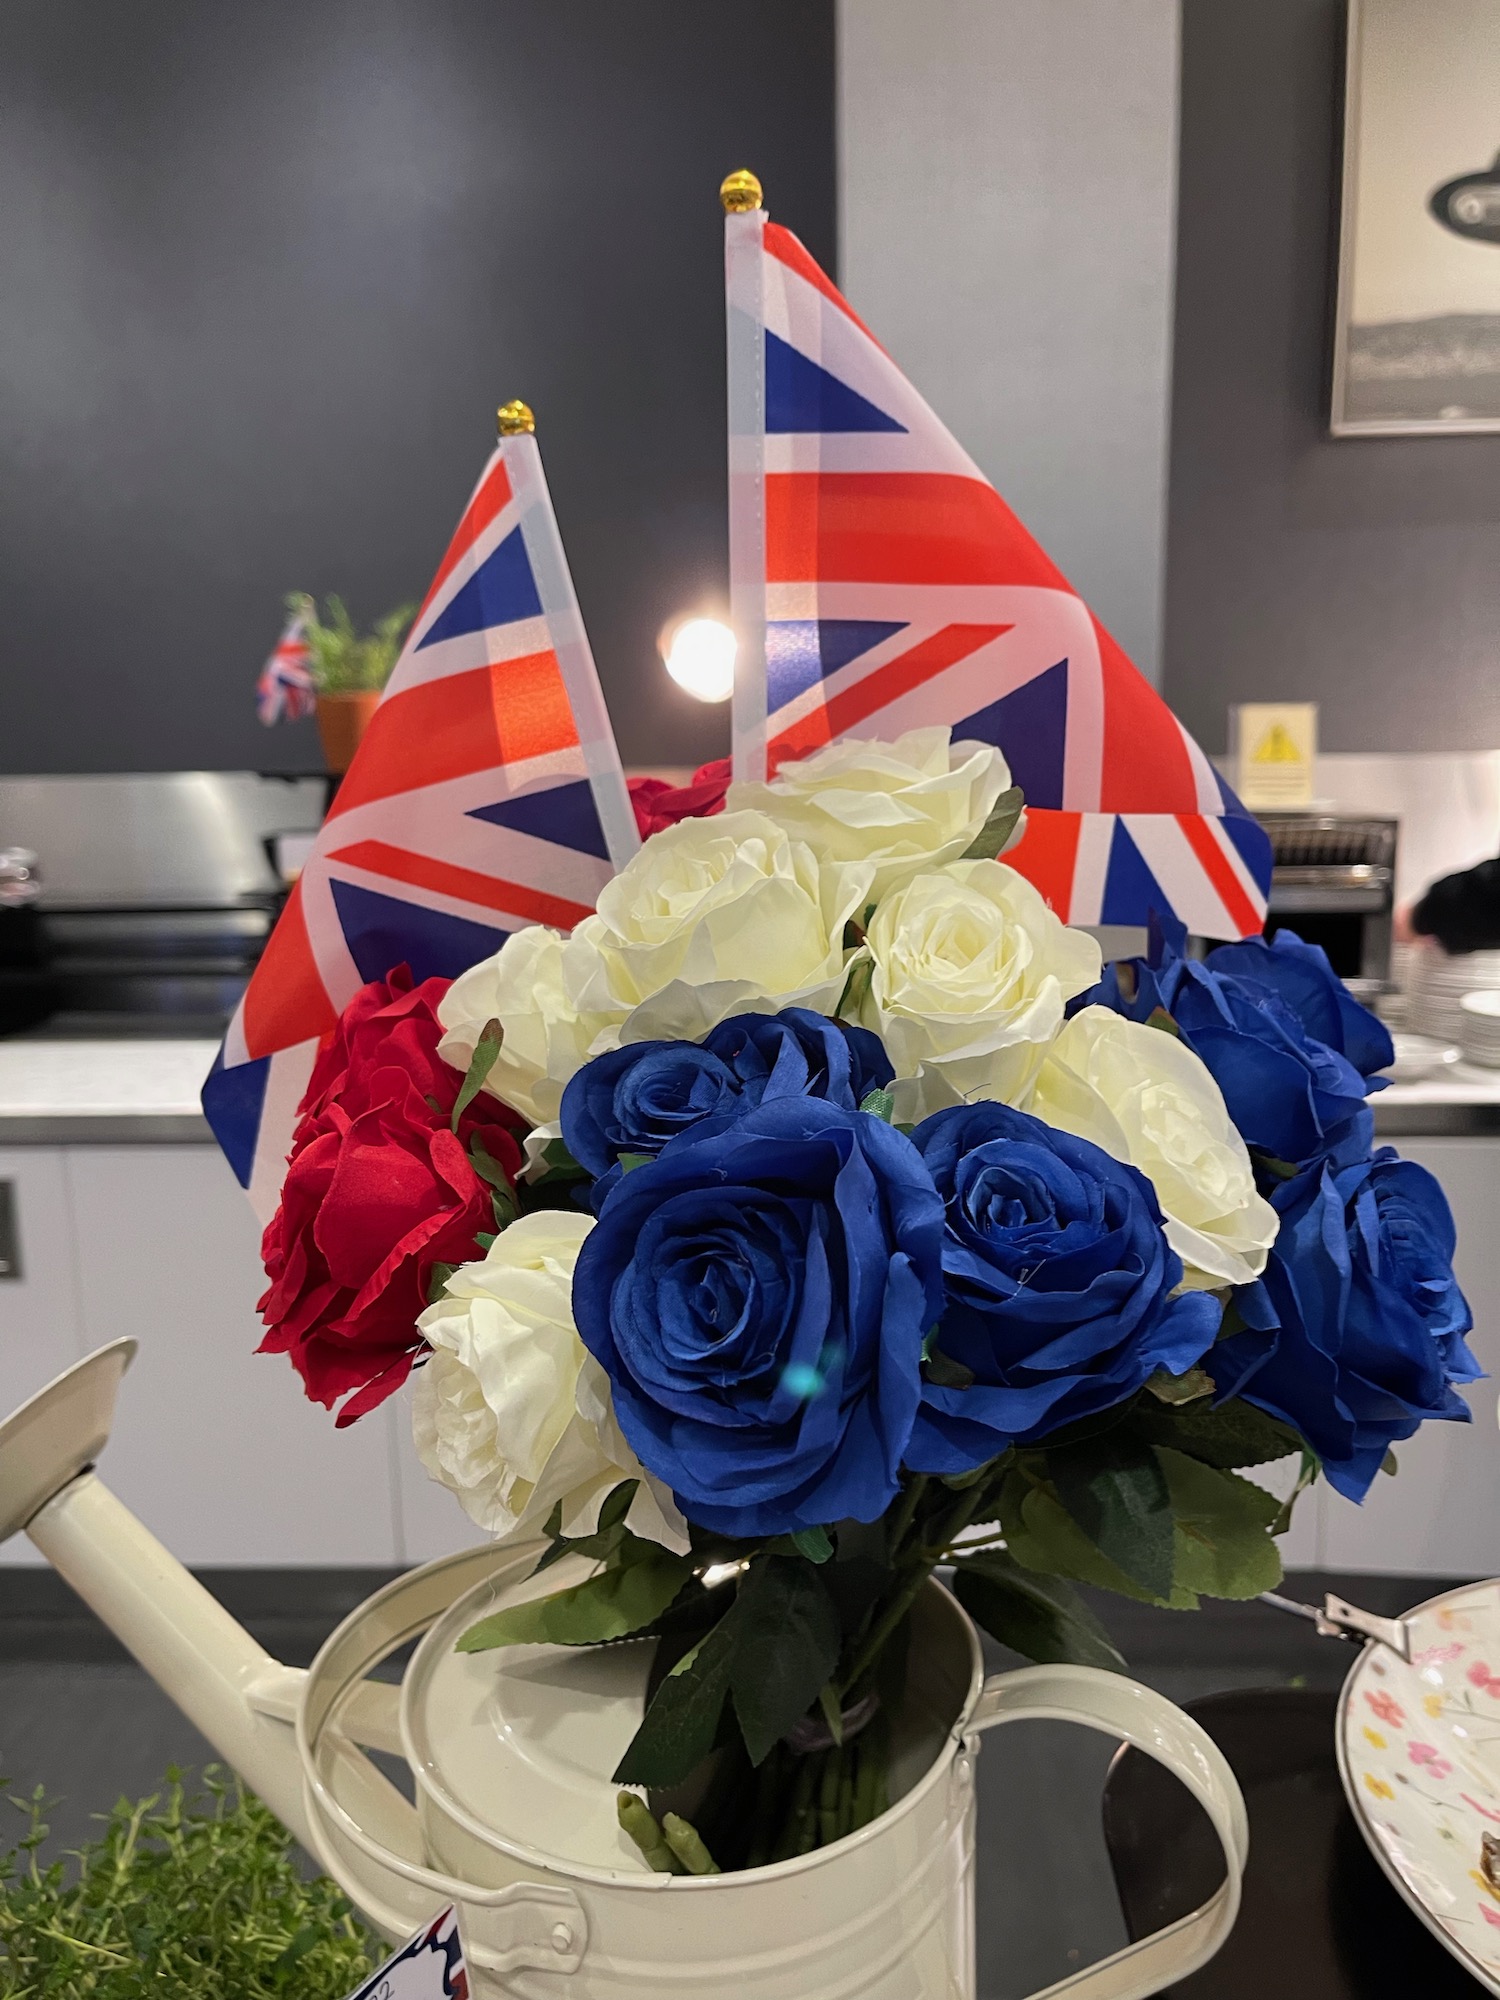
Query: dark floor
{"x": 77, "y": 1718}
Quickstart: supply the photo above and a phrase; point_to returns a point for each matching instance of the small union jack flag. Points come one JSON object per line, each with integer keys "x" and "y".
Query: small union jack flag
{"x": 285, "y": 687}
{"x": 879, "y": 582}
{"x": 487, "y": 794}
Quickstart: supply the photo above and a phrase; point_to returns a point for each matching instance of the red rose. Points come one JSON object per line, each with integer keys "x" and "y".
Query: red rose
{"x": 378, "y": 1190}
{"x": 659, "y": 805}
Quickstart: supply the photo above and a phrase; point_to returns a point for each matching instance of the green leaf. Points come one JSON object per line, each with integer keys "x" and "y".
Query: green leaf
{"x": 1388, "y": 1463}
{"x": 437, "y": 1282}
{"x": 1041, "y": 1534}
{"x": 1038, "y": 1616}
{"x": 483, "y": 1060}
{"x": 630, "y": 1161}
{"x": 1223, "y": 1522}
{"x": 1117, "y": 1493}
{"x": 991, "y": 838}
{"x": 813, "y": 1543}
{"x": 682, "y": 1723}
{"x": 1175, "y": 1390}
{"x": 786, "y": 1645}
{"x": 1160, "y": 1018}
{"x": 611, "y": 1605}
{"x": 943, "y": 1372}
{"x": 879, "y": 1104}
{"x": 490, "y": 1170}
{"x": 1307, "y": 1472}
{"x": 856, "y": 988}
{"x": 1234, "y": 1434}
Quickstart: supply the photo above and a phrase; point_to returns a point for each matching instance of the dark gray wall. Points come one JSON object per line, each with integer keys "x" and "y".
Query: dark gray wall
{"x": 1361, "y": 573}
{"x": 268, "y": 269}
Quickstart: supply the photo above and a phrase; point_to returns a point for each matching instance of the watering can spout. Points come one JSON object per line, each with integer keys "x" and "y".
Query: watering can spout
{"x": 226, "y": 1684}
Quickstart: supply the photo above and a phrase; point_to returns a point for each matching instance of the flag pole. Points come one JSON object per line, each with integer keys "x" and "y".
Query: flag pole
{"x": 516, "y": 429}
{"x": 744, "y": 223}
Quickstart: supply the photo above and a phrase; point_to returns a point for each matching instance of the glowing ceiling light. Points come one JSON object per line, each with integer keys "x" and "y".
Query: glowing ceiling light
{"x": 699, "y": 655}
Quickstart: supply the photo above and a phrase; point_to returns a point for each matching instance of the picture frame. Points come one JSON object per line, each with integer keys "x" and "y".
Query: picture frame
{"x": 1416, "y": 347}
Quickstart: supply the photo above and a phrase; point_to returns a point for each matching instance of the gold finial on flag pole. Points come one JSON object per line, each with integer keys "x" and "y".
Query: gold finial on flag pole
{"x": 514, "y": 419}
{"x": 740, "y": 192}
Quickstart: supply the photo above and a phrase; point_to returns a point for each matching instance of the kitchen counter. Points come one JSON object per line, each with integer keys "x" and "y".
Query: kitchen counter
{"x": 103, "y": 1090}
{"x": 117, "y": 1089}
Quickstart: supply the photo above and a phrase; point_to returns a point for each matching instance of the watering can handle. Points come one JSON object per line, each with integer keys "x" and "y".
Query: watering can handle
{"x": 1138, "y": 1715}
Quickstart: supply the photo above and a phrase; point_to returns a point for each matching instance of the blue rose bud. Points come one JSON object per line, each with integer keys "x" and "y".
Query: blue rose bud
{"x": 1291, "y": 1049}
{"x": 1355, "y": 1335}
{"x": 635, "y": 1099}
{"x": 758, "y": 1296}
{"x": 1058, "y": 1285}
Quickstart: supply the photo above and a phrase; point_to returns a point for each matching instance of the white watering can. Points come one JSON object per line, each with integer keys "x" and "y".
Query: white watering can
{"x": 510, "y": 1752}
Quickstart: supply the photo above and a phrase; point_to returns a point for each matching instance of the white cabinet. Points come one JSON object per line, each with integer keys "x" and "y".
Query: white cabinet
{"x": 40, "y": 1330}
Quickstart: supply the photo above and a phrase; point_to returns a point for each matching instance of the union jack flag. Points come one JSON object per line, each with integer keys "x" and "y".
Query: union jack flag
{"x": 879, "y": 582}
{"x": 285, "y": 687}
{"x": 487, "y": 794}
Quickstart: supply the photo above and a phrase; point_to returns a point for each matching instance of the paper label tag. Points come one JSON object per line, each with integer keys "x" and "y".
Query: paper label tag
{"x": 1275, "y": 747}
{"x": 429, "y": 1966}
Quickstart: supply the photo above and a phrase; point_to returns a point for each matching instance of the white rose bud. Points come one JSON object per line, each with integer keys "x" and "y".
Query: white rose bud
{"x": 714, "y": 917}
{"x": 510, "y": 1412}
{"x": 971, "y": 972}
{"x": 545, "y": 1037}
{"x": 904, "y": 806}
{"x": 1145, "y": 1098}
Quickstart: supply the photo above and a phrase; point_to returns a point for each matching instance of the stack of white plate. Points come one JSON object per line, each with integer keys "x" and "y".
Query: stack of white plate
{"x": 1479, "y": 1030}
{"x": 1439, "y": 983}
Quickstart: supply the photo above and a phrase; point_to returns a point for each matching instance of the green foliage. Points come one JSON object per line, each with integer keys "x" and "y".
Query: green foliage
{"x": 343, "y": 662}
{"x": 1115, "y": 1490}
{"x": 183, "y": 1898}
{"x": 1219, "y": 1525}
{"x": 786, "y": 1641}
{"x": 486, "y": 1055}
{"x": 998, "y": 828}
{"x": 879, "y": 1104}
{"x": 1041, "y": 1617}
{"x": 1232, "y": 1436}
{"x": 625, "y": 1597}
{"x": 681, "y": 1725}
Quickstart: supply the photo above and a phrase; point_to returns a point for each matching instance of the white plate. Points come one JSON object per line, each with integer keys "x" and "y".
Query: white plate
{"x": 1419, "y": 1754}
{"x": 1420, "y": 1057}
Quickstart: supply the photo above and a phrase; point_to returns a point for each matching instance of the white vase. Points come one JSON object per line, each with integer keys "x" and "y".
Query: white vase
{"x": 514, "y": 1818}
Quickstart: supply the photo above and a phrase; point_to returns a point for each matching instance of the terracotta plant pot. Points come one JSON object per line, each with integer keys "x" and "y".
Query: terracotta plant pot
{"x": 342, "y": 721}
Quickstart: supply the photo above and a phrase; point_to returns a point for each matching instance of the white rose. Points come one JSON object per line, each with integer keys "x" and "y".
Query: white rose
{"x": 1143, "y": 1096}
{"x": 905, "y": 806}
{"x": 713, "y": 917}
{"x": 970, "y": 974}
{"x": 510, "y": 1411}
{"x": 545, "y": 1037}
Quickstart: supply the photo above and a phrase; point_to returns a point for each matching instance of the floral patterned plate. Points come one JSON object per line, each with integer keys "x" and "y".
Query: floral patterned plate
{"x": 1419, "y": 1752}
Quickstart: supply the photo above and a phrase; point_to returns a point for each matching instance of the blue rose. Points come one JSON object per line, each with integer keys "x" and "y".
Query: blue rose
{"x": 1260, "y": 1016}
{"x": 635, "y": 1099}
{"x": 1355, "y": 1335}
{"x": 1058, "y": 1282}
{"x": 759, "y": 1295}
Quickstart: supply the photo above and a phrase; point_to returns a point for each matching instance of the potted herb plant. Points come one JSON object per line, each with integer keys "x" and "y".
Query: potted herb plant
{"x": 349, "y": 671}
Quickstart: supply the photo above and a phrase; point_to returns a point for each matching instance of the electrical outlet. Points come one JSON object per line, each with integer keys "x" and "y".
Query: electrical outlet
{"x": 10, "y": 1234}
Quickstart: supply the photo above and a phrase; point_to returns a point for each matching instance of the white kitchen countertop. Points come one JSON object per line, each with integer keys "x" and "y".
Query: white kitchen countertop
{"x": 149, "y": 1087}
{"x": 93, "y": 1079}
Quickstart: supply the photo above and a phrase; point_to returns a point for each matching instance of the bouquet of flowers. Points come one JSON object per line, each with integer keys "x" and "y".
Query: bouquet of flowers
{"x": 821, "y": 1211}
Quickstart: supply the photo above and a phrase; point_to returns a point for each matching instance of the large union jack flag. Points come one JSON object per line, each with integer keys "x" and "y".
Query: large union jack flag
{"x": 487, "y": 794}
{"x": 879, "y": 582}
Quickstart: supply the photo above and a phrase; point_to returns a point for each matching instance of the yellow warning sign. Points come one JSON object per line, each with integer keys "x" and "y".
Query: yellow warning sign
{"x": 1277, "y": 747}
{"x": 1274, "y": 747}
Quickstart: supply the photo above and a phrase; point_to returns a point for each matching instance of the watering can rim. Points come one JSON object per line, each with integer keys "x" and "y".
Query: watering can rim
{"x": 60, "y": 1458}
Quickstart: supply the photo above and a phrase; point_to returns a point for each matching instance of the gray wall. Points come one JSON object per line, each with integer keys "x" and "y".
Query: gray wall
{"x": 1362, "y": 573}
{"x": 268, "y": 269}
{"x": 1006, "y": 215}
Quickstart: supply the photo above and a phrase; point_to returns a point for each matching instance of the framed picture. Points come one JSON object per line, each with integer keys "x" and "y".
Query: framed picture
{"x": 1417, "y": 338}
